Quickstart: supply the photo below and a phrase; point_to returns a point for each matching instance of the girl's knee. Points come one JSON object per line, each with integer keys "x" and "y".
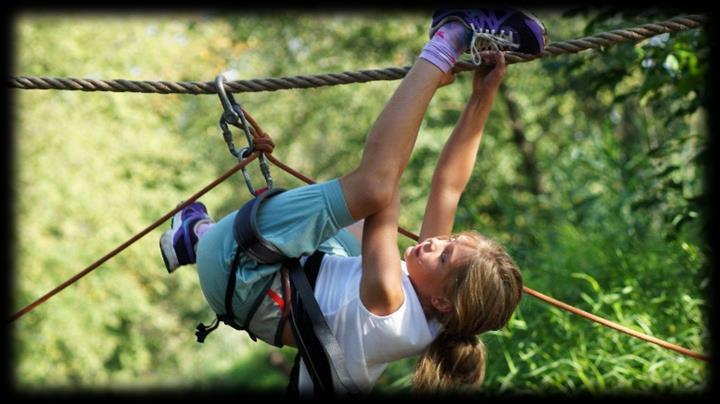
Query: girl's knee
{"x": 366, "y": 195}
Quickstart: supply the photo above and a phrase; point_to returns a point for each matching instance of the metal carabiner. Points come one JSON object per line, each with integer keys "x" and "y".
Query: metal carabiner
{"x": 232, "y": 113}
{"x": 227, "y": 135}
{"x": 228, "y": 102}
{"x": 245, "y": 152}
{"x": 265, "y": 169}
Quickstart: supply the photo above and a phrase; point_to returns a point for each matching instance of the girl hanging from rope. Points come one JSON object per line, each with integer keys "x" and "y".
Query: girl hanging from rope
{"x": 437, "y": 297}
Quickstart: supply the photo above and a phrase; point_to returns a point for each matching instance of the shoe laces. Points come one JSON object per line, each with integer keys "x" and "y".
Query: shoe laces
{"x": 489, "y": 39}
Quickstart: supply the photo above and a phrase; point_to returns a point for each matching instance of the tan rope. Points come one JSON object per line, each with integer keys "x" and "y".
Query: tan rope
{"x": 676, "y": 24}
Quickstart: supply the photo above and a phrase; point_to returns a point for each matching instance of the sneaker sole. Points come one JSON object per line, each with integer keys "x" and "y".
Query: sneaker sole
{"x": 537, "y": 21}
{"x": 166, "y": 244}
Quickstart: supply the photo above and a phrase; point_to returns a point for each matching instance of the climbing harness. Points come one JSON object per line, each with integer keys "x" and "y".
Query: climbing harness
{"x": 316, "y": 343}
{"x": 253, "y": 245}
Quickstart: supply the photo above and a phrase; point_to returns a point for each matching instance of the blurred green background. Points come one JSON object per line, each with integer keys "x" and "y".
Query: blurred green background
{"x": 591, "y": 172}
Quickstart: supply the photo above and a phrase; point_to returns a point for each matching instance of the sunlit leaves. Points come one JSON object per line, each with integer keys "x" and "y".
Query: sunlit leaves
{"x": 619, "y": 140}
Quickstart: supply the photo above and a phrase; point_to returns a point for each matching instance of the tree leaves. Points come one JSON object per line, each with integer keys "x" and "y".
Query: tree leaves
{"x": 617, "y": 134}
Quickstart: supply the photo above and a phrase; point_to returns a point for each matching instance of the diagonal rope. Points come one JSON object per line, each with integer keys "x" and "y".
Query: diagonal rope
{"x": 258, "y": 133}
{"x": 527, "y": 290}
{"x": 634, "y": 34}
{"x": 132, "y": 239}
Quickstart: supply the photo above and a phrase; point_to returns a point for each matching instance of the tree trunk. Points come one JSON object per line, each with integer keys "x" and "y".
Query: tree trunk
{"x": 527, "y": 149}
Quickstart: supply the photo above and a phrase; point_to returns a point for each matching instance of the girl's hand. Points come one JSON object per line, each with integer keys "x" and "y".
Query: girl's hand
{"x": 486, "y": 81}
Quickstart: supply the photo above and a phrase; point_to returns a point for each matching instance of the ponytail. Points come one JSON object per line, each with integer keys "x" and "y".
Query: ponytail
{"x": 451, "y": 362}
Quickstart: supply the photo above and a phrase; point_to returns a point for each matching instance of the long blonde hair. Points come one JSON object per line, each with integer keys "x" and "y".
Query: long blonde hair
{"x": 484, "y": 296}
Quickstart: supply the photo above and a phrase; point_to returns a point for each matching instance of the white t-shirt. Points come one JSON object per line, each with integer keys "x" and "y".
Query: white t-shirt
{"x": 368, "y": 341}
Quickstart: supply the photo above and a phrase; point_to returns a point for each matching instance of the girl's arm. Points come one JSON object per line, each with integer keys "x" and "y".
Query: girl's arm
{"x": 381, "y": 284}
{"x": 457, "y": 159}
{"x": 386, "y": 153}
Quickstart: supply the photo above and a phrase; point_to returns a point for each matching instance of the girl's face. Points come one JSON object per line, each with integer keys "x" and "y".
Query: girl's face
{"x": 434, "y": 262}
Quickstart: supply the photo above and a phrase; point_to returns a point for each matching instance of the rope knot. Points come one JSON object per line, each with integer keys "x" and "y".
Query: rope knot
{"x": 261, "y": 139}
{"x": 264, "y": 144}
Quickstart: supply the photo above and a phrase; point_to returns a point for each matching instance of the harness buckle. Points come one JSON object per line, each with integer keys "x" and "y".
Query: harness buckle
{"x": 203, "y": 330}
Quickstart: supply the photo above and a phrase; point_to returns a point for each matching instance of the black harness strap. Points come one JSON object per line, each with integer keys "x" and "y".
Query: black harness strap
{"x": 309, "y": 348}
{"x": 312, "y": 267}
{"x": 229, "y": 317}
{"x": 316, "y": 343}
{"x": 301, "y": 326}
{"x": 247, "y": 233}
{"x": 202, "y": 330}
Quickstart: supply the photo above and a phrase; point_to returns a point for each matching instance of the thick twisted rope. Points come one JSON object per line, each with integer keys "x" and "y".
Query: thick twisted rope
{"x": 676, "y": 24}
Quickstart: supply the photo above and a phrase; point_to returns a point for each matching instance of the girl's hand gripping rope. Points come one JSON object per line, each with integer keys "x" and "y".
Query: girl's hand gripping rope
{"x": 486, "y": 80}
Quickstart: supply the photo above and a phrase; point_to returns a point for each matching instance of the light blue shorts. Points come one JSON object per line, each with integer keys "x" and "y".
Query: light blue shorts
{"x": 298, "y": 222}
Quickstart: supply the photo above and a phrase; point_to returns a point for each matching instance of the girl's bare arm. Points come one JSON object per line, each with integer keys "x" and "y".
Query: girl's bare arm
{"x": 457, "y": 158}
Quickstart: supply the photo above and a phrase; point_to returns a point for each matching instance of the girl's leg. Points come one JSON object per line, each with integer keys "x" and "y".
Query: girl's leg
{"x": 365, "y": 190}
{"x": 390, "y": 142}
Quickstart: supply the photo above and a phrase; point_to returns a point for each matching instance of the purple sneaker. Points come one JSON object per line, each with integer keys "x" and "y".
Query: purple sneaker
{"x": 501, "y": 28}
{"x": 177, "y": 245}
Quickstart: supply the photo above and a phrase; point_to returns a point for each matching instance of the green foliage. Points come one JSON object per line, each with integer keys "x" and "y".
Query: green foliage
{"x": 619, "y": 140}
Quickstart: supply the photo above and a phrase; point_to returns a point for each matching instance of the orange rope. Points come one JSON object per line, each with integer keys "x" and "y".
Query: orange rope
{"x": 526, "y": 289}
{"x": 266, "y": 148}
{"x": 132, "y": 239}
{"x": 543, "y": 297}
